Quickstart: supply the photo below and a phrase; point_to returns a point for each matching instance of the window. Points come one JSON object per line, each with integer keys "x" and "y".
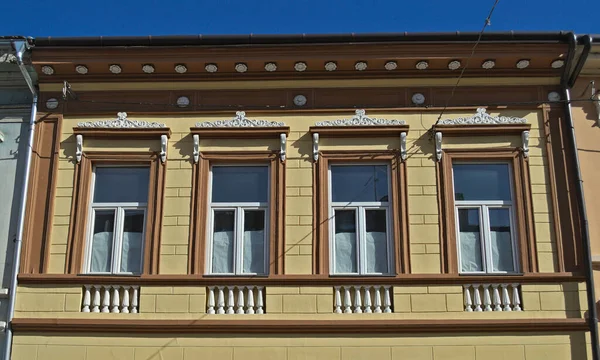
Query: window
{"x": 484, "y": 211}
{"x": 238, "y": 220}
{"x": 117, "y": 220}
{"x": 360, "y": 213}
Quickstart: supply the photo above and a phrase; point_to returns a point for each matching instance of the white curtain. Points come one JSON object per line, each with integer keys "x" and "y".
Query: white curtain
{"x": 502, "y": 256}
{"x": 254, "y": 252}
{"x": 131, "y": 253}
{"x": 345, "y": 252}
{"x": 222, "y": 252}
{"x": 101, "y": 251}
{"x": 470, "y": 251}
{"x": 377, "y": 257}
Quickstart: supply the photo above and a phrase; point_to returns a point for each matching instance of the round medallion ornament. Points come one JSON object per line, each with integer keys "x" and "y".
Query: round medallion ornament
{"x": 360, "y": 66}
{"x": 47, "y": 69}
{"x": 454, "y": 65}
{"x": 270, "y": 67}
{"x": 418, "y": 99}
{"x": 81, "y": 69}
{"x": 183, "y": 101}
{"x": 51, "y": 103}
{"x": 241, "y": 67}
{"x": 148, "y": 68}
{"x": 211, "y": 68}
{"x": 300, "y": 66}
{"x": 115, "y": 69}
{"x": 522, "y": 64}
{"x": 330, "y": 66}
{"x": 553, "y": 96}
{"x": 391, "y": 65}
{"x": 299, "y": 100}
{"x": 422, "y": 65}
{"x": 181, "y": 69}
{"x": 558, "y": 63}
{"x": 488, "y": 64}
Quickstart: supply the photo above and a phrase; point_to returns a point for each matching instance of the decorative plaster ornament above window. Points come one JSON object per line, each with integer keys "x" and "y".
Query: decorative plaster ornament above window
{"x": 522, "y": 64}
{"x": 557, "y": 64}
{"x": 239, "y": 121}
{"x": 81, "y": 69}
{"x": 148, "y": 68}
{"x": 181, "y": 69}
{"x": 391, "y": 65}
{"x": 241, "y": 67}
{"x": 360, "y": 119}
{"x": 454, "y": 65}
{"x": 300, "y": 66}
{"x": 330, "y": 66}
{"x": 121, "y": 122}
{"x": 270, "y": 67}
{"x": 8, "y": 58}
{"x": 422, "y": 65}
{"x": 115, "y": 69}
{"x": 47, "y": 69}
{"x": 360, "y": 66}
{"x": 553, "y": 96}
{"x": 483, "y": 118}
{"x": 418, "y": 99}
{"x": 488, "y": 64}
{"x": 52, "y": 103}
{"x": 299, "y": 100}
{"x": 183, "y": 101}
{"x": 211, "y": 68}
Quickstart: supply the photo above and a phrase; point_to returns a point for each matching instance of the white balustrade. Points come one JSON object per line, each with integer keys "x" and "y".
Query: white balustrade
{"x": 362, "y": 299}
{"x": 122, "y": 299}
{"x": 492, "y": 297}
{"x": 235, "y": 300}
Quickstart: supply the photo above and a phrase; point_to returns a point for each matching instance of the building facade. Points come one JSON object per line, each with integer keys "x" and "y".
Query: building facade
{"x": 310, "y": 197}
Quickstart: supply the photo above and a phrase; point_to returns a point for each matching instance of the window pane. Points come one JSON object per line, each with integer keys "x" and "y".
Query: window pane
{"x": 222, "y": 247}
{"x": 102, "y": 240}
{"x": 345, "y": 241}
{"x": 470, "y": 240}
{"x": 254, "y": 242}
{"x": 359, "y": 183}
{"x": 377, "y": 256}
{"x": 240, "y": 183}
{"x": 481, "y": 182}
{"x": 131, "y": 252}
{"x": 502, "y": 254}
{"x": 120, "y": 184}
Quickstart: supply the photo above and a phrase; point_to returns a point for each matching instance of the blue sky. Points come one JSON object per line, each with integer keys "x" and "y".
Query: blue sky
{"x": 158, "y": 17}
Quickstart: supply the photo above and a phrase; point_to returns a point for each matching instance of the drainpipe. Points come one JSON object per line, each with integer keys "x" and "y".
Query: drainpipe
{"x": 20, "y": 46}
{"x": 585, "y": 235}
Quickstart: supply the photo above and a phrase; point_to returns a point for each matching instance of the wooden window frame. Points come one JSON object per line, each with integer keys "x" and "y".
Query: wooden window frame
{"x": 400, "y": 246}
{"x": 522, "y": 204}
{"x": 201, "y": 207}
{"x": 80, "y": 208}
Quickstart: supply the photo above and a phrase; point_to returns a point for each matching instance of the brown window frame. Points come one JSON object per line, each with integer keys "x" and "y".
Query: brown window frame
{"x": 527, "y": 258}
{"x": 80, "y": 208}
{"x": 399, "y": 206}
{"x": 200, "y": 207}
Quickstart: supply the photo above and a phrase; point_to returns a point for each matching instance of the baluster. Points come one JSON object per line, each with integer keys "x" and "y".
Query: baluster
{"x": 240, "y": 302}
{"x": 487, "y": 300}
{"x": 96, "y": 300}
{"x": 125, "y": 302}
{"x": 497, "y": 301}
{"x": 221, "y": 301}
{"x": 338, "y": 301}
{"x": 250, "y": 308}
{"x": 515, "y": 297}
{"x": 134, "y": 300}
{"x": 347, "y": 300}
{"x": 259, "y": 301}
{"x": 387, "y": 302}
{"x": 467, "y": 298}
{"x": 505, "y": 297}
{"x": 477, "y": 298}
{"x": 357, "y": 300}
{"x": 105, "y": 300}
{"x": 86, "y": 300}
{"x": 230, "y": 301}
{"x": 115, "y": 300}
{"x": 367, "y": 301}
{"x": 378, "y": 300}
{"x": 211, "y": 301}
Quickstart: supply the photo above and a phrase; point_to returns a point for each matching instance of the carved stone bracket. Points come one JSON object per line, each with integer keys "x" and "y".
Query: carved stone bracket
{"x": 78, "y": 147}
{"x": 525, "y": 139}
{"x": 438, "y": 146}
{"x": 403, "y": 154}
{"x": 163, "y": 148}
{"x": 483, "y": 118}
{"x": 315, "y": 149}
{"x": 283, "y": 146}
{"x": 360, "y": 119}
{"x": 196, "y": 153}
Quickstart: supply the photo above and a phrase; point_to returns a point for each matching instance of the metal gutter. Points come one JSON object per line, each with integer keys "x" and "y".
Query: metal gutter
{"x": 587, "y": 47}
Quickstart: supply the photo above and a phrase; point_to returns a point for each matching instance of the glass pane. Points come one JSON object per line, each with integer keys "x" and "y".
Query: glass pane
{"x": 481, "y": 182}
{"x": 102, "y": 240}
{"x": 359, "y": 183}
{"x": 121, "y": 184}
{"x": 470, "y": 240}
{"x": 222, "y": 247}
{"x": 502, "y": 253}
{"x": 131, "y": 251}
{"x": 254, "y": 242}
{"x": 240, "y": 183}
{"x": 345, "y": 241}
{"x": 377, "y": 254}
